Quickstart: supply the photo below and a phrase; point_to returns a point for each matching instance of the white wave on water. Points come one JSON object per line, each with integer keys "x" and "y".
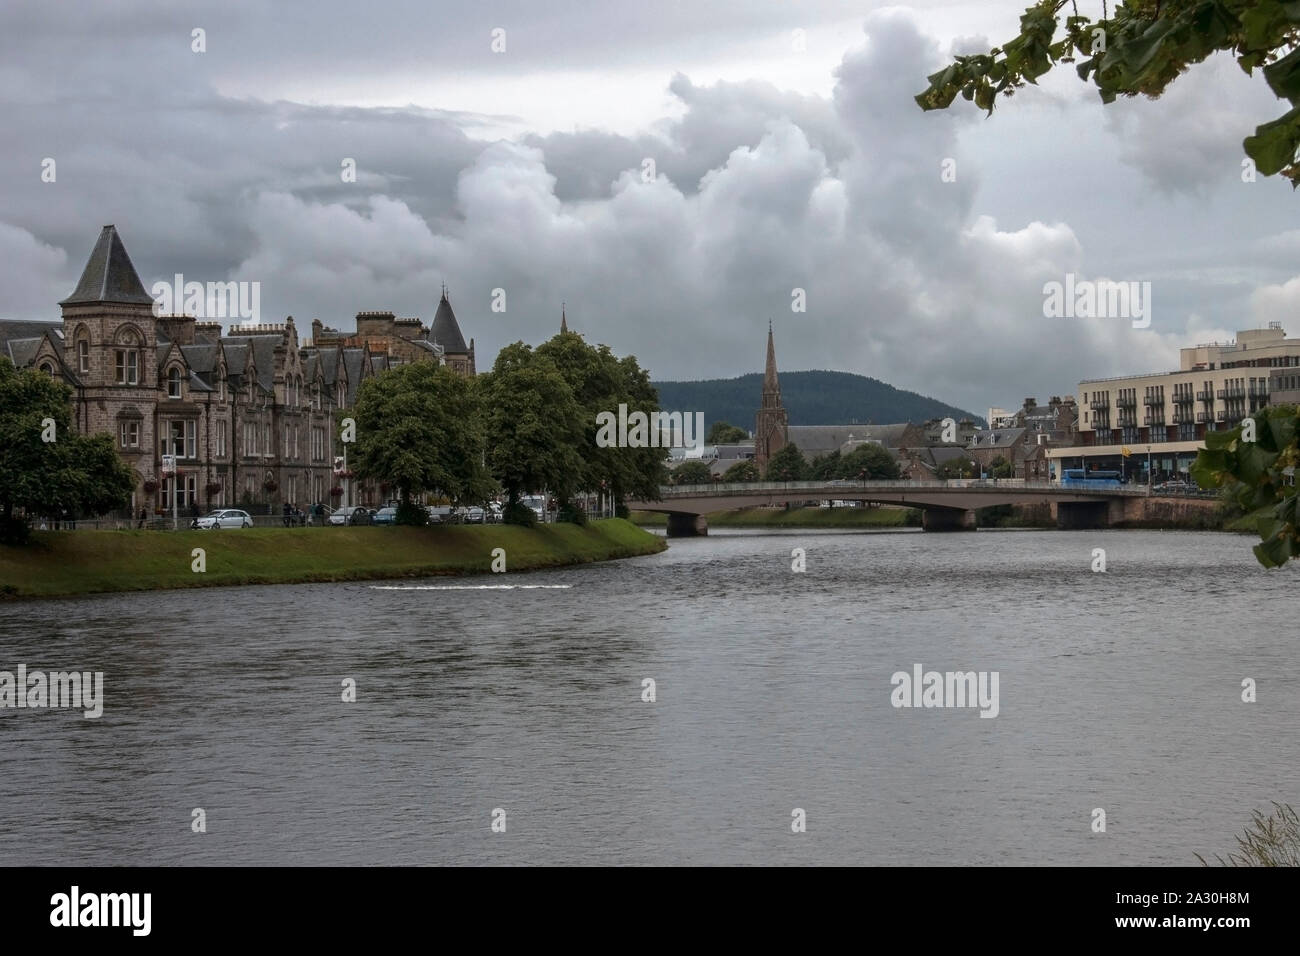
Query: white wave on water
{"x": 469, "y": 587}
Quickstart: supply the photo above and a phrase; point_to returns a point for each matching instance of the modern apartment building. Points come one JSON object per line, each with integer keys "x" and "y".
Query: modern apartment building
{"x": 1163, "y": 417}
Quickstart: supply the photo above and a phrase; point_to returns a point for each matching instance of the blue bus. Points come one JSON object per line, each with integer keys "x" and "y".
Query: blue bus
{"x": 1092, "y": 479}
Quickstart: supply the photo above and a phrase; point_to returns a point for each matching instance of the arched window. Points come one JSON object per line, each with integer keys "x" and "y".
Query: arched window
{"x": 126, "y": 358}
{"x": 48, "y": 369}
{"x": 83, "y": 352}
{"x": 174, "y": 382}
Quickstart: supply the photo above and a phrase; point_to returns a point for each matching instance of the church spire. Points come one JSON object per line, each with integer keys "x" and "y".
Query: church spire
{"x": 564, "y": 322}
{"x": 771, "y": 424}
{"x": 771, "y": 385}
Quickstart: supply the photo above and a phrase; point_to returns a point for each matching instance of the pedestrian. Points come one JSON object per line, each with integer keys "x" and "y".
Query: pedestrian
{"x": 285, "y": 515}
{"x": 142, "y": 517}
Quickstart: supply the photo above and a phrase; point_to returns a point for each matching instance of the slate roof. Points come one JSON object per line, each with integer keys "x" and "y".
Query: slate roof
{"x": 996, "y": 437}
{"x": 109, "y": 275}
{"x": 201, "y": 358}
{"x": 816, "y": 440}
{"x": 446, "y": 330}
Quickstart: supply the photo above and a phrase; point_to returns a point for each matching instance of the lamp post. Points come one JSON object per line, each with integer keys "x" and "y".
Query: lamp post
{"x": 1148, "y": 469}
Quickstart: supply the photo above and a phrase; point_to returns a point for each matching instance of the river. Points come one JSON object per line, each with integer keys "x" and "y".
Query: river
{"x": 1120, "y": 691}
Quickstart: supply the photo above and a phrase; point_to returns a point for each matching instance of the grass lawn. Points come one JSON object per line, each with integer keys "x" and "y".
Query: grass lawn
{"x": 85, "y": 562}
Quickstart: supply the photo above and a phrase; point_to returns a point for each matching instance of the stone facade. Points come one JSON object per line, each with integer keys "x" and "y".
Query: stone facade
{"x": 250, "y": 415}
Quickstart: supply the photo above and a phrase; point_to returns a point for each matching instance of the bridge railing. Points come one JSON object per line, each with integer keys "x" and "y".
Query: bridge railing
{"x": 826, "y": 489}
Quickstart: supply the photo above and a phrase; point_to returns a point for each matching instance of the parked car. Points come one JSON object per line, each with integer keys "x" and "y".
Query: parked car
{"x": 224, "y": 518}
{"x": 493, "y": 513}
{"x": 384, "y": 516}
{"x": 352, "y": 515}
{"x": 439, "y": 514}
{"x": 474, "y": 514}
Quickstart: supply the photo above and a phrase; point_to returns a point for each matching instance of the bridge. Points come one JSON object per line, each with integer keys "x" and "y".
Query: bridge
{"x": 945, "y": 505}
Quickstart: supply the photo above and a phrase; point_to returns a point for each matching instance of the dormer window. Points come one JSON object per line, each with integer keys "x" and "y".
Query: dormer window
{"x": 173, "y": 382}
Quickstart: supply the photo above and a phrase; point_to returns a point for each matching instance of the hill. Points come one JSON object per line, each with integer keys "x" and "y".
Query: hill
{"x": 810, "y": 398}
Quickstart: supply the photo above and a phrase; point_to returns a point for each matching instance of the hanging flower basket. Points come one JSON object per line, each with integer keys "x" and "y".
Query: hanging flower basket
{"x": 270, "y": 484}
{"x": 384, "y": 486}
{"x": 150, "y": 486}
{"x": 336, "y": 492}
{"x": 212, "y": 488}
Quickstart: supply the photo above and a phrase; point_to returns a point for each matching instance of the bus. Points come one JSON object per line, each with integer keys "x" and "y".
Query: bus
{"x": 1094, "y": 478}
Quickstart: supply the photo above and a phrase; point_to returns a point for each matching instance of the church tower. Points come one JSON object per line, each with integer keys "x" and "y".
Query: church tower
{"x": 771, "y": 426}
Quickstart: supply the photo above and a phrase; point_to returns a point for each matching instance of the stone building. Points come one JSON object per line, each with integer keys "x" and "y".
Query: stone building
{"x": 249, "y": 415}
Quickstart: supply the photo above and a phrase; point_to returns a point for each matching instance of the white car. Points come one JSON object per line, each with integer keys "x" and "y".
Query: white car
{"x": 225, "y": 518}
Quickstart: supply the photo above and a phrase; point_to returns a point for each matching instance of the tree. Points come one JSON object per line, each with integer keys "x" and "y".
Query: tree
{"x": 1142, "y": 49}
{"x": 600, "y": 382}
{"x": 71, "y": 473}
{"x": 1254, "y": 464}
{"x": 724, "y": 433}
{"x": 419, "y": 430}
{"x": 741, "y": 471}
{"x": 692, "y": 473}
{"x": 786, "y": 465}
{"x": 534, "y": 426}
{"x": 960, "y": 467}
{"x": 869, "y": 461}
{"x": 999, "y": 467}
{"x": 825, "y": 467}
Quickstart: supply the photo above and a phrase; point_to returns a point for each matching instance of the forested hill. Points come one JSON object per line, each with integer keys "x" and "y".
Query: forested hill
{"x": 810, "y": 398}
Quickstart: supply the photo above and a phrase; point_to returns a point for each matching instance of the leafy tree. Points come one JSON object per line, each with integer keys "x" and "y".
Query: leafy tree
{"x": 419, "y": 429}
{"x": 741, "y": 471}
{"x": 825, "y": 467}
{"x": 1259, "y": 477}
{"x": 724, "y": 433}
{"x": 534, "y": 426}
{"x": 960, "y": 467}
{"x": 692, "y": 473}
{"x": 869, "y": 461}
{"x": 1142, "y": 49}
{"x": 999, "y": 467}
{"x": 786, "y": 465}
{"x": 600, "y": 382}
{"x": 73, "y": 473}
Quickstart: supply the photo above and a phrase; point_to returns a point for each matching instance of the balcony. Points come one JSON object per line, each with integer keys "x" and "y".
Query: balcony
{"x": 1221, "y": 416}
{"x": 1223, "y": 393}
{"x": 1237, "y": 391}
{"x": 1099, "y": 404}
{"x": 1154, "y": 420}
{"x": 1205, "y": 396}
{"x": 1203, "y": 417}
{"x": 1183, "y": 398}
{"x": 1130, "y": 402}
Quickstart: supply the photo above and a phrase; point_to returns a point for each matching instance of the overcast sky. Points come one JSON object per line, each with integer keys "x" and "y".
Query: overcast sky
{"x": 783, "y": 161}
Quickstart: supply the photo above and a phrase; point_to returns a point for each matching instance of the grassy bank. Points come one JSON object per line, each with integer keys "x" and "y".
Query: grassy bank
{"x": 87, "y": 562}
{"x": 797, "y": 518}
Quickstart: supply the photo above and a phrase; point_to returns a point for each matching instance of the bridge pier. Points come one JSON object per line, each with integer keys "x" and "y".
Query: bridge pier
{"x": 686, "y": 525}
{"x": 947, "y": 519}
{"x": 1084, "y": 515}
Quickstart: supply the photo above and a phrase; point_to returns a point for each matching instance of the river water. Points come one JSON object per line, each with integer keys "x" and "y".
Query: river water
{"x": 1119, "y": 691}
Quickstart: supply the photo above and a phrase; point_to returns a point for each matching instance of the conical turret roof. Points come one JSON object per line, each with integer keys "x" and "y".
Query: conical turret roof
{"x": 446, "y": 330}
{"x": 109, "y": 275}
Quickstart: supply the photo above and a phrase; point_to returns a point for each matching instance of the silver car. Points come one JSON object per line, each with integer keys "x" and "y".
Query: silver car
{"x": 224, "y": 518}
